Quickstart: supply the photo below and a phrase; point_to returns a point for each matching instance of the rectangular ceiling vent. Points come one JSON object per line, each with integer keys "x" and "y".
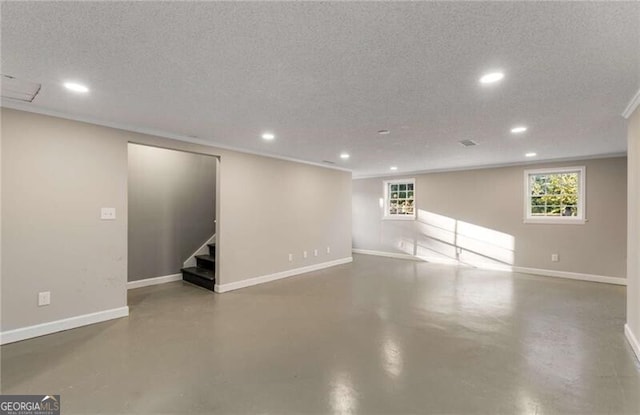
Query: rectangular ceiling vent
{"x": 468, "y": 143}
{"x": 18, "y": 89}
{"x": 328, "y": 162}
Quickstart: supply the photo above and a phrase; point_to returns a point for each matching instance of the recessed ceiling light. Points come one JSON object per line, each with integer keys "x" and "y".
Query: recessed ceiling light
{"x": 393, "y": 168}
{"x": 531, "y": 154}
{"x": 344, "y": 156}
{"x": 383, "y": 132}
{"x": 76, "y": 87}
{"x": 518, "y": 130}
{"x": 491, "y": 77}
{"x": 268, "y": 136}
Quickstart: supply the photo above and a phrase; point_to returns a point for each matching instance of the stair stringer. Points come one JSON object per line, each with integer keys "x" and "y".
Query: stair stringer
{"x": 203, "y": 250}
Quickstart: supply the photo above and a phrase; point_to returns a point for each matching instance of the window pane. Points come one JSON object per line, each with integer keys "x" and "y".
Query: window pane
{"x": 410, "y": 195}
{"x": 394, "y": 187}
{"x": 537, "y": 210}
{"x": 394, "y": 195}
{"x": 410, "y": 186}
{"x": 403, "y": 195}
{"x": 552, "y": 210}
{"x": 403, "y": 187}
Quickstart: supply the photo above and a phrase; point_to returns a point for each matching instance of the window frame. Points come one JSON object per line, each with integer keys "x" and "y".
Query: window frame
{"x": 580, "y": 219}
{"x": 386, "y": 204}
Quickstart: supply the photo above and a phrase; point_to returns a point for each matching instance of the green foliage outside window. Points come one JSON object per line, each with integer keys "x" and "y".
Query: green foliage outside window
{"x": 554, "y": 194}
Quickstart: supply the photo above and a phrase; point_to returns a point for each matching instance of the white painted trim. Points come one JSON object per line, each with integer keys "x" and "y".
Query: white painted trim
{"x": 222, "y": 288}
{"x": 571, "y": 275}
{"x": 396, "y": 255}
{"x": 555, "y": 220}
{"x": 5, "y": 103}
{"x": 633, "y": 340}
{"x": 385, "y": 189}
{"x": 204, "y": 249}
{"x": 541, "y": 162}
{"x": 633, "y": 104}
{"x": 29, "y": 332}
{"x": 501, "y": 267}
{"x": 153, "y": 281}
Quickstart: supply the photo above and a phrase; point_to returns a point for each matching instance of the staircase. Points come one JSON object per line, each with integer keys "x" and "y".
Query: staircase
{"x": 204, "y": 273}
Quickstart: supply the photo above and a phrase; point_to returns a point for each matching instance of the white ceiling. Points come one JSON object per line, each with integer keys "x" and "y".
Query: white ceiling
{"x": 325, "y": 77}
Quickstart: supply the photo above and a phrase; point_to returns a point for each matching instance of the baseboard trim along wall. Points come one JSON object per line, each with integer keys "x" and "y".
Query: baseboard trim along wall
{"x": 153, "y": 281}
{"x": 633, "y": 340}
{"x": 499, "y": 267}
{"x": 386, "y": 254}
{"x": 571, "y": 275}
{"x": 222, "y": 288}
{"x": 29, "y": 332}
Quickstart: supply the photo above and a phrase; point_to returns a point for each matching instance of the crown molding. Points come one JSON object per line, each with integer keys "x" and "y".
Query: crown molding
{"x": 492, "y": 166}
{"x": 5, "y": 103}
{"x": 633, "y": 104}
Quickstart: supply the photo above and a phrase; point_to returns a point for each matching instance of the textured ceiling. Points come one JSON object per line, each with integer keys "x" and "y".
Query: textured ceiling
{"x": 325, "y": 77}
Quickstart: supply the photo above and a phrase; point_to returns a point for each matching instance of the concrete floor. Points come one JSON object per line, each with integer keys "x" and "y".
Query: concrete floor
{"x": 376, "y": 336}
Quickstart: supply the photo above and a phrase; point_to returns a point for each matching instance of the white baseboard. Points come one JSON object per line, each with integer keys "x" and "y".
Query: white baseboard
{"x": 221, "y": 288}
{"x": 571, "y": 275}
{"x": 396, "y": 255}
{"x": 501, "y": 267}
{"x": 29, "y": 332}
{"x": 633, "y": 340}
{"x": 153, "y": 281}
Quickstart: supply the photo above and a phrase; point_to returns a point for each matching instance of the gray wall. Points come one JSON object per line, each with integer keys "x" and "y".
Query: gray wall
{"x": 171, "y": 208}
{"x": 56, "y": 174}
{"x": 633, "y": 265}
{"x": 482, "y": 212}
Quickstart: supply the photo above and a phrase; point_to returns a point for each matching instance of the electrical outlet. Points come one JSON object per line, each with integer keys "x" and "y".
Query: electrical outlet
{"x": 304, "y": 254}
{"x": 44, "y": 298}
{"x": 108, "y": 213}
{"x": 315, "y": 252}
{"x": 555, "y": 258}
{"x": 290, "y": 257}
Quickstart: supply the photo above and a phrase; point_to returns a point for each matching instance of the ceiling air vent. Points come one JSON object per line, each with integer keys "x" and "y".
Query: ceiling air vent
{"x": 18, "y": 89}
{"x": 468, "y": 143}
{"x": 328, "y": 162}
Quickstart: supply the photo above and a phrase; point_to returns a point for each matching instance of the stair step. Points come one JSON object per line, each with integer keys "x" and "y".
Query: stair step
{"x": 212, "y": 249}
{"x": 206, "y": 261}
{"x": 199, "y": 276}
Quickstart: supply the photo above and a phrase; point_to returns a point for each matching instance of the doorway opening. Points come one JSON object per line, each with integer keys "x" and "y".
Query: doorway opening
{"x": 172, "y": 216}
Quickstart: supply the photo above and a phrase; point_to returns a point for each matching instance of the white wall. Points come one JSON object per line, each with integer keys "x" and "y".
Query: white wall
{"x": 481, "y": 211}
{"x": 56, "y": 174}
{"x": 633, "y": 263}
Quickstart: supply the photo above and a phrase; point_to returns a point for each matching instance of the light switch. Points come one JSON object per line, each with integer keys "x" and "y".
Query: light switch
{"x": 108, "y": 213}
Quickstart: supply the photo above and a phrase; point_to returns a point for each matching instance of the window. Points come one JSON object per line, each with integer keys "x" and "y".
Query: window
{"x": 555, "y": 195}
{"x": 399, "y": 199}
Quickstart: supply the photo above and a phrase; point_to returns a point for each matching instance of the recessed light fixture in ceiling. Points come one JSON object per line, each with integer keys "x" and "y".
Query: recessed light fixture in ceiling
{"x": 518, "y": 130}
{"x": 76, "y": 87}
{"x": 491, "y": 77}
{"x": 384, "y": 132}
{"x": 268, "y": 136}
{"x": 344, "y": 156}
{"x": 531, "y": 154}
{"x": 394, "y": 168}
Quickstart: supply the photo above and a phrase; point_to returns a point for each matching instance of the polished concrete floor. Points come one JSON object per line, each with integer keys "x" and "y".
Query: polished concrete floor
{"x": 376, "y": 336}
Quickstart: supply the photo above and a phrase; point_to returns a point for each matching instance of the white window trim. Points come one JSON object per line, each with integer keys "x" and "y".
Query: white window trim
{"x": 562, "y": 220}
{"x": 386, "y": 215}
